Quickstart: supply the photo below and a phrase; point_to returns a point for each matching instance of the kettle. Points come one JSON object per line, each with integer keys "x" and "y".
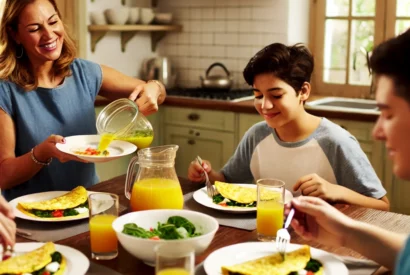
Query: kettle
{"x": 159, "y": 68}
{"x": 223, "y": 82}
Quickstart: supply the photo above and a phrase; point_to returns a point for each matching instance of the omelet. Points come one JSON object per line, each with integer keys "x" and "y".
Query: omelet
{"x": 71, "y": 199}
{"x": 242, "y": 194}
{"x": 32, "y": 261}
{"x": 235, "y": 192}
{"x": 273, "y": 264}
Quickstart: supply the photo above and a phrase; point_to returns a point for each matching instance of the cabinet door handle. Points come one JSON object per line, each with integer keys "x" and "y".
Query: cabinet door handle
{"x": 191, "y": 141}
{"x": 193, "y": 117}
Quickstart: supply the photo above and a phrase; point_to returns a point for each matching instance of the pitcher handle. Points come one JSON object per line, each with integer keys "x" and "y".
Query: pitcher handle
{"x": 129, "y": 179}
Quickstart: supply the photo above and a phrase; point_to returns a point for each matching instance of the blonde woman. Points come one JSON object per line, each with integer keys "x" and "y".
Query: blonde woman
{"x": 46, "y": 94}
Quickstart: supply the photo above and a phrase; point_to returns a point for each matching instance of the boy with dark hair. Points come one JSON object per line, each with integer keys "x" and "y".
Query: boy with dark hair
{"x": 319, "y": 221}
{"x": 312, "y": 155}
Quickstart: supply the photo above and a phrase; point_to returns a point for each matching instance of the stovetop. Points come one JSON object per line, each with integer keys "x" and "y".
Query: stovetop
{"x": 234, "y": 95}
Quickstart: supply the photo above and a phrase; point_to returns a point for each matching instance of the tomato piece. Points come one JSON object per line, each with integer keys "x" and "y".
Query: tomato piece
{"x": 45, "y": 273}
{"x": 57, "y": 213}
{"x": 155, "y": 238}
{"x": 222, "y": 203}
{"x": 310, "y": 273}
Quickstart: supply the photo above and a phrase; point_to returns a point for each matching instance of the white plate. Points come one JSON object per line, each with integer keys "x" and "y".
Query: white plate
{"x": 242, "y": 252}
{"x": 201, "y": 197}
{"x": 41, "y": 197}
{"x": 117, "y": 148}
{"x": 77, "y": 262}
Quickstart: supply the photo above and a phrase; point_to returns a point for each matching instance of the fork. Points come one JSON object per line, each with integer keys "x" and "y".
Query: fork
{"x": 282, "y": 236}
{"x": 209, "y": 188}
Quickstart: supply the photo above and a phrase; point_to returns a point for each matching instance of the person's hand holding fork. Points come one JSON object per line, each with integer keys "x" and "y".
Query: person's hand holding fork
{"x": 196, "y": 172}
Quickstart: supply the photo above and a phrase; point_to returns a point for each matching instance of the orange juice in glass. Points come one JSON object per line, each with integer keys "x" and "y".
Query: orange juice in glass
{"x": 269, "y": 209}
{"x": 103, "y": 211}
{"x": 156, "y": 193}
{"x": 173, "y": 271}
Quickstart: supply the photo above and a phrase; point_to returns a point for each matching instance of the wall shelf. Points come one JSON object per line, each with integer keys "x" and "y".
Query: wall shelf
{"x": 128, "y": 31}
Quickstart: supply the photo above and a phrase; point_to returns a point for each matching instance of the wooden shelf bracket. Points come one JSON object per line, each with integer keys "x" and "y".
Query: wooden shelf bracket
{"x": 125, "y": 37}
{"x": 155, "y": 38}
{"x": 95, "y": 37}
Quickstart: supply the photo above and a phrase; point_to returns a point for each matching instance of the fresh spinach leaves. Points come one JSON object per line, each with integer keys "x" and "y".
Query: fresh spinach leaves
{"x": 176, "y": 227}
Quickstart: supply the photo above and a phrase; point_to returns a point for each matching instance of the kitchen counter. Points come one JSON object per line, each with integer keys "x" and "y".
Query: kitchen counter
{"x": 247, "y": 107}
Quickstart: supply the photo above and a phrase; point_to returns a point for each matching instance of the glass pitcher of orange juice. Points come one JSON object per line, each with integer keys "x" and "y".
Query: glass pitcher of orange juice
{"x": 122, "y": 120}
{"x": 155, "y": 184}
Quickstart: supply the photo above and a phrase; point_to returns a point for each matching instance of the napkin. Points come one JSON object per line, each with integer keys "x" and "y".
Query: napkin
{"x": 243, "y": 221}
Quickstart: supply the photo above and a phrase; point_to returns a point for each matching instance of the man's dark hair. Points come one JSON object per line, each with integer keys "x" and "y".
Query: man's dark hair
{"x": 292, "y": 64}
{"x": 392, "y": 59}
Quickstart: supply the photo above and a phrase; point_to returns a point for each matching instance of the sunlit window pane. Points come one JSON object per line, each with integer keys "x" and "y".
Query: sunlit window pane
{"x": 402, "y": 26}
{"x": 364, "y": 7}
{"x": 335, "y": 51}
{"x": 403, "y": 7}
{"x": 361, "y": 42}
{"x": 337, "y": 7}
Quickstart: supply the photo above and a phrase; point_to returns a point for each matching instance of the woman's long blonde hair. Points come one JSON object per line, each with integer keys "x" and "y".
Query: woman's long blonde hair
{"x": 19, "y": 70}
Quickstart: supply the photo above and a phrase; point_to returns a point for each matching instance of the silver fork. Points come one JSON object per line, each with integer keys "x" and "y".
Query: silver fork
{"x": 282, "y": 236}
{"x": 209, "y": 188}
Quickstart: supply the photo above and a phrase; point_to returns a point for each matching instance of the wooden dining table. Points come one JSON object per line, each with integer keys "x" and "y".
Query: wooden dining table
{"x": 125, "y": 263}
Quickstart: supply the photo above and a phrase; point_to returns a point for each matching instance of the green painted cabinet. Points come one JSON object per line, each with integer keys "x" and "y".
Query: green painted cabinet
{"x": 207, "y": 133}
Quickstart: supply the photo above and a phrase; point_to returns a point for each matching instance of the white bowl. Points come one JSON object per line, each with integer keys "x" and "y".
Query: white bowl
{"x": 163, "y": 18}
{"x": 147, "y": 15}
{"x": 117, "y": 16}
{"x": 143, "y": 249}
{"x": 134, "y": 15}
{"x": 97, "y": 18}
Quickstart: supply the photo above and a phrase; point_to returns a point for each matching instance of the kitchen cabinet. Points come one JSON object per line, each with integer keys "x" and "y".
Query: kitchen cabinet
{"x": 209, "y": 134}
{"x": 245, "y": 121}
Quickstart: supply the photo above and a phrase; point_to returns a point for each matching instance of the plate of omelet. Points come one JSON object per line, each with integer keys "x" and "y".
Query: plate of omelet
{"x": 259, "y": 258}
{"x": 232, "y": 197}
{"x": 45, "y": 258}
{"x": 53, "y": 206}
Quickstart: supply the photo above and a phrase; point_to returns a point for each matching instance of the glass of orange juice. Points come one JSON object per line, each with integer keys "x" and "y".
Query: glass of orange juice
{"x": 103, "y": 211}
{"x": 269, "y": 208}
{"x": 174, "y": 259}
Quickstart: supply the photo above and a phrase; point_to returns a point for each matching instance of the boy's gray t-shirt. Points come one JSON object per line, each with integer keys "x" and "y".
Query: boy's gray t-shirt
{"x": 66, "y": 110}
{"x": 331, "y": 152}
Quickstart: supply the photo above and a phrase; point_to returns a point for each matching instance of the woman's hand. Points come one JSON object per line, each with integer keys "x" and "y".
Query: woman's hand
{"x": 195, "y": 171}
{"x": 147, "y": 96}
{"x": 47, "y": 149}
{"x": 315, "y": 186}
{"x": 316, "y": 220}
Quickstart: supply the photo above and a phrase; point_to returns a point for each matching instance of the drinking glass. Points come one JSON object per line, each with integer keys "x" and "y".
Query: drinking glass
{"x": 174, "y": 259}
{"x": 269, "y": 209}
{"x": 103, "y": 211}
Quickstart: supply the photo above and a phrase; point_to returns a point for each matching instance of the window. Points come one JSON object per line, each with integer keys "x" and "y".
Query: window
{"x": 343, "y": 34}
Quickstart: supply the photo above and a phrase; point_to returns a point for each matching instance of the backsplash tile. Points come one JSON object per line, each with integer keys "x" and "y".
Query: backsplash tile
{"x": 226, "y": 31}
